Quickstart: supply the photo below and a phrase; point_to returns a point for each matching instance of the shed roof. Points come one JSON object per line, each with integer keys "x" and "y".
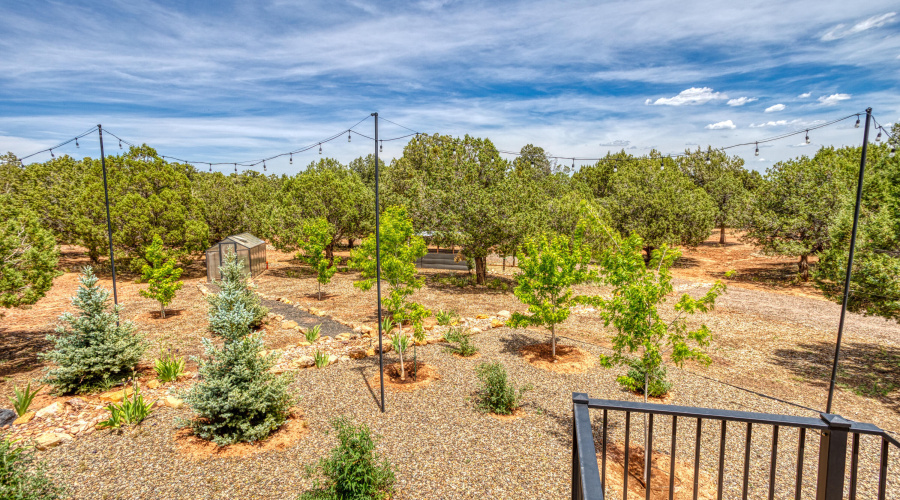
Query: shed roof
{"x": 243, "y": 239}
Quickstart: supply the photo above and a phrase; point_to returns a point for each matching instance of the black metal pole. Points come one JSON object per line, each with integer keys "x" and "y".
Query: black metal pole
{"x": 859, "y": 186}
{"x": 112, "y": 259}
{"x": 378, "y": 268}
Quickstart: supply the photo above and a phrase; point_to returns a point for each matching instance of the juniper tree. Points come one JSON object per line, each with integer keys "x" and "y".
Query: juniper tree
{"x": 236, "y": 308}
{"x": 92, "y": 350}
{"x": 161, "y": 274}
{"x": 28, "y": 255}
{"x": 316, "y": 237}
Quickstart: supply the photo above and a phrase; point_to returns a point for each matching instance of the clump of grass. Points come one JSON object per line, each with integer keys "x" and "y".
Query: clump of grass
{"x": 321, "y": 359}
{"x": 169, "y": 368}
{"x": 497, "y": 394}
{"x": 445, "y": 318}
{"x": 313, "y": 334}
{"x": 131, "y": 412}
{"x": 465, "y": 347}
{"x": 23, "y": 399}
{"x": 353, "y": 470}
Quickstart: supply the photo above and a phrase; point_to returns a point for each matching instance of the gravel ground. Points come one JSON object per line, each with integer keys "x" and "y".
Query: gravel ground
{"x": 329, "y": 328}
{"x": 440, "y": 446}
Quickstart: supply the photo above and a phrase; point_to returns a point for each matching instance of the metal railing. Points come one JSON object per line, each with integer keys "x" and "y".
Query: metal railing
{"x": 589, "y": 478}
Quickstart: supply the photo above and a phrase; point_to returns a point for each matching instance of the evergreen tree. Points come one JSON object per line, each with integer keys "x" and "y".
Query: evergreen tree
{"x": 236, "y": 308}
{"x": 96, "y": 350}
{"x": 161, "y": 275}
{"x": 28, "y": 255}
{"x": 316, "y": 237}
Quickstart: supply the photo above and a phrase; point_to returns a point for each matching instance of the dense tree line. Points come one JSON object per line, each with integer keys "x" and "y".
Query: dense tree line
{"x": 460, "y": 191}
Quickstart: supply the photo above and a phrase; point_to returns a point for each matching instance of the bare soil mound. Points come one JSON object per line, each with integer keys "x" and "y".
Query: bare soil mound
{"x": 659, "y": 475}
{"x": 569, "y": 359}
{"x": 293, "y": 429}
{"x": 418, "y": 375}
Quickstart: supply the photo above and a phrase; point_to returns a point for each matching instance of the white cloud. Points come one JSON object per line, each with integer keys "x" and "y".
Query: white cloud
{"x": 776, "y": 107}
{"x": 769, "y": 124}
{"x": 838, "y": 31}
{"x": 693, "y": 95}
{"x": 727, "y": 124}
{"x": 618, "y": 143}
{"x": 804, "y": 95}
{"x": 833, "y": 99}
{"x": 740, "y": 101}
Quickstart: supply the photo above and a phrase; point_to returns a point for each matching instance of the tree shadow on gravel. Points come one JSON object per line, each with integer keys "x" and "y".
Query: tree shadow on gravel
{"x": 513, "y": 343}
{"x": 869, "y": 370}
{"x": 19, "y": 350}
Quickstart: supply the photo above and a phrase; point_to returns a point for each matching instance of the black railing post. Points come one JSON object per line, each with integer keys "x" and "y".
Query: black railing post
{"x": 832, "y": 458}
{"x": 586, "y": 483}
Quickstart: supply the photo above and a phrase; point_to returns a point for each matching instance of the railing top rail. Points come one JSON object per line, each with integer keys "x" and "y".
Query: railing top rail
{"x": 736, "y": 416}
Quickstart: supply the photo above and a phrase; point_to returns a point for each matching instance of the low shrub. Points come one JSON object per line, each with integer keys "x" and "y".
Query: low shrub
{"x": 465, "y": 347}
{"x": 22, "y": 477}
{"x": 445, "y": 318}
{"x": 168, "y": 368}
{"x": 23, "y": 399}
{"x": 353, "y": 471}
{"x": 497, "y": 394}
{"x": 131, "y": 412}
{"x": 657, "y": 386}
{"x": 454, "y": 334}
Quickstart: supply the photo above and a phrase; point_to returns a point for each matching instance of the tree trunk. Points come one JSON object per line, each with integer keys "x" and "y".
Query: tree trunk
{"x": 319, "y": 286}
{"x": 648, "y": 255}
{"x": 722, "y": 234}
{"x": 162, "y": 311}
{"x": 329, "y": 253}
{"x": 804, "y": 267}
{"x": 480, "y": 270}
{"x": 504, "y": 264}
{"x": 553, "y": 341}
{"x": 400, "y": 350}
{"x": 349, "y": 243}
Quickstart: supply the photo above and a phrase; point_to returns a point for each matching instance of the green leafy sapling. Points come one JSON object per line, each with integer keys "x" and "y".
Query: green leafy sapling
{"x": 550, "y": 267}
{"x": 317, "y": 235}
{"x": 400, "y": 248}
{"x": 161, "y": 275}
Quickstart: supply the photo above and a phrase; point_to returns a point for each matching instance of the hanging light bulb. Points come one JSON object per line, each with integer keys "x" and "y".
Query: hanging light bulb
{"x": 857, "y": 122}
{"x": 210, "y": 167}
{"x": 51, "y": 154}
{"x": 320, "y": 148}
{"x": 807, "y": 136}
{"x": 893, "y": 151}
{"x": 708, "y": 160}
{"x": 120, "y": 143}
{"x": 615, "y": 169}
{"x": 76, "y": 143}
{"x": 348, "y": 136}
{"x": 662, "y": 164}
{"x": 292, "y": 158}
{"x": 235, "y": 168}
{"x": 756, "y": 153}
{"x": 264, "y": 165}
{"x": 532, "y": 163}
{"x": 878, "y": 137}
{"x": 381, "y": 147}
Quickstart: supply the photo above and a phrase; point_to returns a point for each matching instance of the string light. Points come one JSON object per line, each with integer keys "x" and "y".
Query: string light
{"x": 878, "y": 137}
{"x": 893, "y": 151}
{"x": 857, "y": 122}
{"x": 51, "y": 154}
{"x": 756, "y": 153}
{"x": 807, "y": 136}
{"x": 708, "y": 160}
{"x": 264, "y": 165}
{"x": 381, "y": 147}
{"x": 120, "y": 143}
{"x": 292, "y": 158}
{"x": 348, "y": 136}
{"x": 235, "y": 168}
{"x": 76, "y": 143}
{"x": 573, "y": 163}
{"x": 320, "y": 148}
{"x": 210, "y": 167}
{"x": 662, "y": 164}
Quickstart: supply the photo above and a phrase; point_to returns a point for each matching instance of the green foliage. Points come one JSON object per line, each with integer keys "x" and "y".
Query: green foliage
{"x": 169, "y": 367}
{"x": 550, "y": 268}
{"x": 313, "y": 334}
{"x": 91, "y": 351}
{"x": 321, "y": 359}
{"x": 445, "y": 318}
{"x": 23, "y": 399}
{"x": 22, "y": 477}
{"x": 317, "y": 235}
{"x": 638, "y": 289}
{"x": 725, "y": 181}
{"x": 657, "y": 385}
{"x": 465, "y": 346}
{"x": 236, "y": 308}
{"x": 130, "y": 412}
{"x": 353, "y": 470}
{"x": 161, "y": 274}
{"x": 454, "y": 334}
{"x": 497, "y": 393}
{"x": 28, "y": 255}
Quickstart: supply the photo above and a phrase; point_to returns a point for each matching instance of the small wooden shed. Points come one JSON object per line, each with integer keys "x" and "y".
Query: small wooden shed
{"x": 248, "y": 248}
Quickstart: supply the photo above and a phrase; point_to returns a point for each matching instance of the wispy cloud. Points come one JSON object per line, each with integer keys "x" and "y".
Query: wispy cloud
{"x": 841, "y": 30}
{"x": 833, "y": 99}
{"x": 804, "y": 95}
{"x": 740, "y": 101}
{"x": 775, "y": 107}
{"x": 726, "y": 125}
{"x": 618, "y": 143}
{"x": 693, "y": 95}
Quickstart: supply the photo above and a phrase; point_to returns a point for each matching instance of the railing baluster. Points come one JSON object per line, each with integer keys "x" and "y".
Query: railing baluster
{"x": 800, "y": 448}
{"x": 747, "y": 460}
{"x": 854, "y": 465}
{"x": 672, "y": 458}
{"x": 648, "y": 457}
{"x": 627, "y": 454}
{"x": 722, "y": 459}
{"x": 882, "y": 474}
{"x": 697, "y": 459}
{"x": 773, "y": 462}
{"x": 603, "y": 470}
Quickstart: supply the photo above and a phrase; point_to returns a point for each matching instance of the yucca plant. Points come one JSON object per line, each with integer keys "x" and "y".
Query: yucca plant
{"x": 321, "y": 359}
{"x": 23, "y": 399}
{"x": 313, "y": 334}
{"x": 131, "y": 411}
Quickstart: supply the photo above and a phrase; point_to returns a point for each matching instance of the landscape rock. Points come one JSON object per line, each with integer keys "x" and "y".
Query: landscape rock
{"x": 504, "y": 314}
{"x": 153, "y": 384}
{"x": 7, "y": 417}
{"x": 332, "y": 359}
{"x": 303, "y": 343}
{"x": 343, "y": 336}
{"x": 475, "y": 330}
{"x": 496, "y": 323}
{"x": 116, "y": 396}
{"x": 47, "y": 411}
{"x": 368, "y": 330}
{"x": 24, "y": 419}
{"x": 303, "y": 362}
{"x": 174, "y": 402}
{"x": 289, "y": 325}
{"x": 77, "y": 403}
{"x": 481, "y": 316}
{"x": 358, "y": 353}
{"x": 344, "y": 359}
{"x": 50, "y": 439}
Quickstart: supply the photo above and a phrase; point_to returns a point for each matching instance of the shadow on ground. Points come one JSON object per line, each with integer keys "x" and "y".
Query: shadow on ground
{"x": 19, "y": 350}
{"x": 869, "y": 370}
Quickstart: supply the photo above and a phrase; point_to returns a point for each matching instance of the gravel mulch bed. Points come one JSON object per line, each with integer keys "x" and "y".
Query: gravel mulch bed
{"x": 329, "y": 327}
{"x": 440, "y": 446}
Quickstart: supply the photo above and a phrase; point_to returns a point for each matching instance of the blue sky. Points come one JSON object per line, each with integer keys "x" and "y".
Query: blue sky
{"x": 223, "y": 81}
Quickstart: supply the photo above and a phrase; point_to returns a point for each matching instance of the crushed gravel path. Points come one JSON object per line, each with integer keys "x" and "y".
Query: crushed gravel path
{"x": 329, "y": 327}
{"x": 440, "y": 446}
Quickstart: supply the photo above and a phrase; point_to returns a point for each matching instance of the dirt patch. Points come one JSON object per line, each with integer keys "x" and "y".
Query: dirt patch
{"x": 516, "y": 414}
{"x": 425, "y": 375}
{"x": 293, "y": 429}
{"x": 569, "y": 359}
{"x": 659, "y": 475}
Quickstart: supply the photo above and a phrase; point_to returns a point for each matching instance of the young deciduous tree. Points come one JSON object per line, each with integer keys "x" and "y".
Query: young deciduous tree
{"x": 400, "y": 248}
{"x": 316, "y": 237}
{"x": 96, "y": 350}
{"x": 550, "y": 267}
{"x": 28, "y": 255}
{"x": 161, "y": 275}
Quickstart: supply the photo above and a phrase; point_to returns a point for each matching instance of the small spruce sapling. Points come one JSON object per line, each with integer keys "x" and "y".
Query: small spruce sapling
{"x": 317, "y": 235}
{"x": 161, "y": 275}
{"x": 400, "y": 248}
{"x": 236, "y": 308}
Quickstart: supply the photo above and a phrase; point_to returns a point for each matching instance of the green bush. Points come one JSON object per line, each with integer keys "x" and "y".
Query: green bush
{"x": 657, "y": 386}
{"x": 22, "y": 477}
{"x": 465, "y": 346}
{"x": 94, "y": 352}
{"x": 497, "y": 394}
{"x": 353, "y": 471}
{"x": 445, "y": 318}
{"x": 236, "y": 308}
{"x": 130, "y": 412}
